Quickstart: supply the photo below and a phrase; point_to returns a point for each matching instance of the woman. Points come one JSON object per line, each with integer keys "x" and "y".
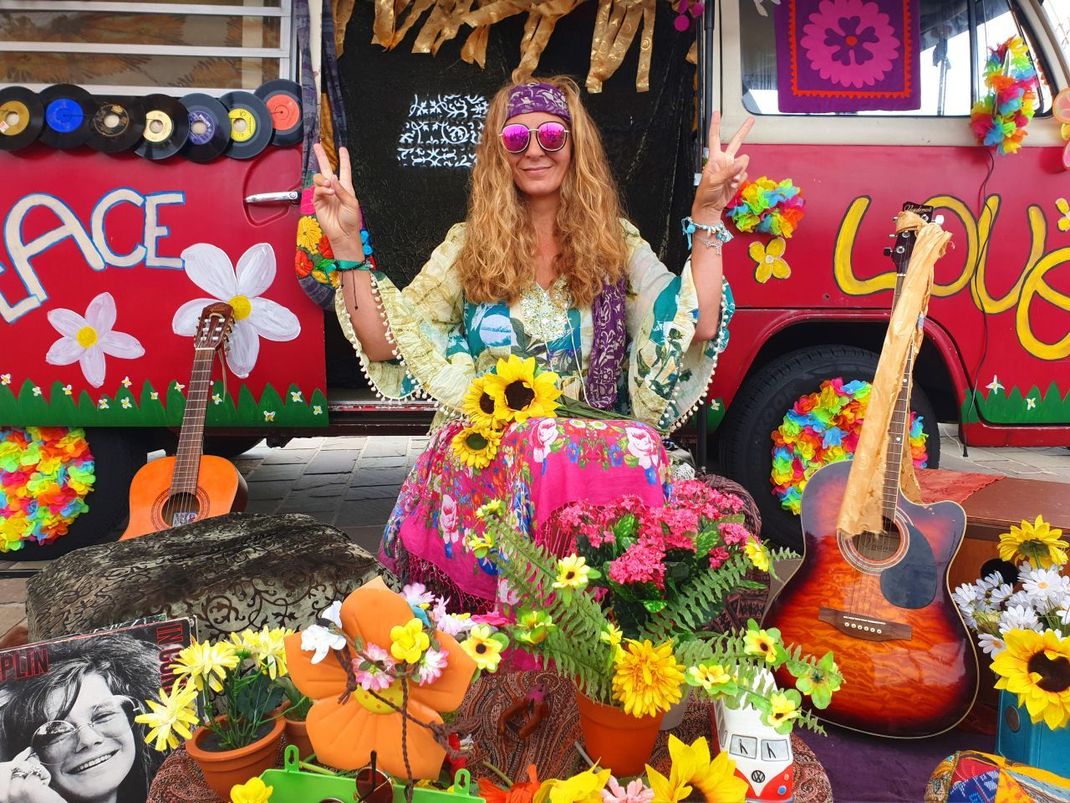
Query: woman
{"x": 544, "y": 267}
{"x": 69, "y": 735}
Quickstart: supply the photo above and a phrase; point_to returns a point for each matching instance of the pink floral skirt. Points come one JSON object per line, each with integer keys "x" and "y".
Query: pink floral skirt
{"x": 541, "y": 465}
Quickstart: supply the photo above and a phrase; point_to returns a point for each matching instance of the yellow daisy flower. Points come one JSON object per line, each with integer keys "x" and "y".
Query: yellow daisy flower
{"x": 491, "y": 509}
{"x": 647, "y": 679}
{"x": 573, "y": 573}
{"x": 761, "y": 642}
{"x": 770, "y": 260}
{"x": 476, "y": 447}
{"x": 266, "y": 646}
{"x": 408, "y": 642}
{"x": 519, "y": 393}
{"x": 170, "y": 718}
{"x": 481, "y": 648}
{"x": 252, "y": 791}
{"x": 758, "y": 554}
{"x": 206, "y": 663}
{"x": 1037, "y": 542}
{"x": 783, "y": 708}
{"x": 585, "y": 787}
{"x": 479, "y": 404}
{"x": 712, "y": 678}
{"x": 1036, "y": 667}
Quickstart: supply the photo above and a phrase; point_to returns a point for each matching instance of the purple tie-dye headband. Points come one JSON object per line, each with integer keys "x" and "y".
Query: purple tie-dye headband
{"x": 538, "y": 98}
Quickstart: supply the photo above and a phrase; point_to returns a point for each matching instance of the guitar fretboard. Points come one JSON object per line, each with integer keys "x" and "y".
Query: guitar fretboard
{"x": 191, "y": 439}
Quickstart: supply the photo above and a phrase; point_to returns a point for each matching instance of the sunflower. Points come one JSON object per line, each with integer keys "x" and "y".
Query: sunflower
{"x": 647, "y": 679}
{"x": 584, "y": 787}
{"x": 694, "y": 771}
{"x": 1037, "y": 542}
{"x": 519, "y": 393}
{"x": 479, "y": 404}
{"x": 476, "y": 447}
{"x": 1036, "y": 667}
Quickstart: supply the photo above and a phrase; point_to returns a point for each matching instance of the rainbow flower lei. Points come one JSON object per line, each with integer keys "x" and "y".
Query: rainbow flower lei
{"x": 823, "y": 428}
{"x": 45, "y": 475}
{"x": 767, "y": 206}
{"x": 1000, "y": 118}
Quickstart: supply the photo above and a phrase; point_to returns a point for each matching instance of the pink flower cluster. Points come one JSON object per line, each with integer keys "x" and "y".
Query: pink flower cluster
{"x": 643, "y": 562}
{"x": 708, "y": 502}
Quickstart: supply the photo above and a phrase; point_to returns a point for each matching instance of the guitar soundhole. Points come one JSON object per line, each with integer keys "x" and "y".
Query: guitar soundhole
{"x": 181, "y": 509}
{"x": 880, "y": 546}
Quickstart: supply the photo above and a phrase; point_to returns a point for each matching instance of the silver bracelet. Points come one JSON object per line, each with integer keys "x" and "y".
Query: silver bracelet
{"x": 718, "y": 234}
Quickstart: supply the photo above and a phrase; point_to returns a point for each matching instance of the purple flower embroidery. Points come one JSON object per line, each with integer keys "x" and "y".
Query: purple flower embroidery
{"x": 850, "y": 42}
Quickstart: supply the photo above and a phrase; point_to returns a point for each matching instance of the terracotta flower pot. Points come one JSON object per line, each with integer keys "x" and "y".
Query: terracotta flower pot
{"x": 224, "y": 768}
{"x": 614, "y": 739}
{"x": 297, "y": 735}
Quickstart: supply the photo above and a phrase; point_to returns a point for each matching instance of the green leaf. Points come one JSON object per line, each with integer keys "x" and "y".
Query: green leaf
{"x": 655, "y": 605}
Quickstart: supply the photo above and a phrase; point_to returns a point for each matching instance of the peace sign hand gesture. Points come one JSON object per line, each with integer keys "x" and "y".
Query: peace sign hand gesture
{"x": 337, "y": 208}
{"x": 722, "y": 174}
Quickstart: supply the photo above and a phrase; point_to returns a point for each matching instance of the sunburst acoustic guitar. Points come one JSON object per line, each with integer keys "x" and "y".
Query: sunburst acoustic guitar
{"x": 880, "y": 600}
{"x": 190, "y": 486}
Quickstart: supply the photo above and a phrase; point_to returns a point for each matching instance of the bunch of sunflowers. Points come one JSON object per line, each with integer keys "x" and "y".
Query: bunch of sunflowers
{"x": 513, "y": 392}
{"x": 1025, "y": 624}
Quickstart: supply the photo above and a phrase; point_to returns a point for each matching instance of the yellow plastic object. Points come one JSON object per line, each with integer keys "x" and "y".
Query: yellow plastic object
{"x": 292, "y": 785}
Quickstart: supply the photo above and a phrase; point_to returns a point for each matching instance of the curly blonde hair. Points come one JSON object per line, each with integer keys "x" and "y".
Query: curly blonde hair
{"x": 497, "y": 261}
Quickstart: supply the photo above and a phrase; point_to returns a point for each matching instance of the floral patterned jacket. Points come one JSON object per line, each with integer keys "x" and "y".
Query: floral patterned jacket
{"x": 443, "y": 341}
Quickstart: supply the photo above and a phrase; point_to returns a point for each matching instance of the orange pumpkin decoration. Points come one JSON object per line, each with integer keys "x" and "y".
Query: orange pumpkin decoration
{"x": 346, "y": 724}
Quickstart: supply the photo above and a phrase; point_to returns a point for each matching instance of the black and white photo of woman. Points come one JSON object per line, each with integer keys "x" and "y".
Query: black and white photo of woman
{"x": 69, "y": 736}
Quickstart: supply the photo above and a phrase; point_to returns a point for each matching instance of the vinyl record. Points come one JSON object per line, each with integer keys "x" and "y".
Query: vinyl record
{"x": 166, "y": 127}
{"x": 283, "y": 99}
{"x": 116, "y": 125}
{"x": 22, "y": 116}
{"x": 250, "y": 125}
{"x": 209, "y": 127}
{"x": 69, "y": 109}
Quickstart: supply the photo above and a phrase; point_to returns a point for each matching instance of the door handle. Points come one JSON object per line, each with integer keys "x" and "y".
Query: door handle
{"x": 287, "y": 197}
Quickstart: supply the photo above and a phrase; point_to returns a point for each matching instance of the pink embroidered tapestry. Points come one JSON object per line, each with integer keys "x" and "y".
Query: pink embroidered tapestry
{"x": 848, "y": 55}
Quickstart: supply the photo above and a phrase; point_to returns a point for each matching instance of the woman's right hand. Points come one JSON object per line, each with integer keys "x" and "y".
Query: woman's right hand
{"x": 337, "y": 208}
{"x": 25, "y": 780}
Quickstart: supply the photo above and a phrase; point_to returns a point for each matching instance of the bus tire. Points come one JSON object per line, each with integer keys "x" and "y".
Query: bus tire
{"x": 117, "y": 455}
{"x": 744, "y": 437}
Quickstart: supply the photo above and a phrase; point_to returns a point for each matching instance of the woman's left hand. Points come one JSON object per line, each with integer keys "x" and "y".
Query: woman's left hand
{"x": 722, "y": 174}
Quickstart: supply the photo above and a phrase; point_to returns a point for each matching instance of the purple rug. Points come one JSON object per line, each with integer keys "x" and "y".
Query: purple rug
{"x": 864, "y": 768}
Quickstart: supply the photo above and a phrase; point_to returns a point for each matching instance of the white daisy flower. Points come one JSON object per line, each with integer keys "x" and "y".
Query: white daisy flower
{"x": 87, "y": 338}
{"x": 295, "y": 395}
{"x": 127, "y": 404}
{"x": 1018, "y": 617}
{"x": 966, "y": 596}
{"x": 333, "y": 613}
{"x": 320, "y": 641}
{"x": 242, "y": 287}
{"x": 993, "y": 645}
{"x": 102, "y": 404}
{"x": 126, "y": 383}
{"x": 1044, "y": 585}
{"x": 998, "y": 595}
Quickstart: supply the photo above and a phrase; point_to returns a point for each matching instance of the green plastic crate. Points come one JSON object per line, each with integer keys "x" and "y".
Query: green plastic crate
{"x": 291, "y": 785}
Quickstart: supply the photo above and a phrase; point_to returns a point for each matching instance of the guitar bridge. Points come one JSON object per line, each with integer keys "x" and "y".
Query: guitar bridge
{"x": 865, "y": 627}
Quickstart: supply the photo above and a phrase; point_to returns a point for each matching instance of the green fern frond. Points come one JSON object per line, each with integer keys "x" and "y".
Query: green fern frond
{"x": 690, "y": 612}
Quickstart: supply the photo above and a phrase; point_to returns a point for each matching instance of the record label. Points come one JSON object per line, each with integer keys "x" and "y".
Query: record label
{"x": 22, "y": 116}
{"x": 285, "y": 111}
{"x": 64, "y": 115}
{"x": 242, "y": 125}
{"x": 202, "y": 127}
{"x": 158, "y": 126}
{"x": 117, "y": 125}
{"x": 111, "y": 120}
{"x": 283, "y": 100}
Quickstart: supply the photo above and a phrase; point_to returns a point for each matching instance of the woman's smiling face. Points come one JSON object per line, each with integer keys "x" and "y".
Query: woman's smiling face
{"x": 90, "y": 763}
{"x": 538, "y": 173}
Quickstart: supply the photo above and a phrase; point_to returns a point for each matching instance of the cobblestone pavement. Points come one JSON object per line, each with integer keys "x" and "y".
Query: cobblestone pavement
{"x": 352, "y": 483}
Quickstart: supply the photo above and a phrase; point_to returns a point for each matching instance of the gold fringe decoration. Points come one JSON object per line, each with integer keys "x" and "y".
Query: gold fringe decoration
{"x": 617, "y": 23}
{"x": 343, "y": 12}
{"x": 861, "y": 509}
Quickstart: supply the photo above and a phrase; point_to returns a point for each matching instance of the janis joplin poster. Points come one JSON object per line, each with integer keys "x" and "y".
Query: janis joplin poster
{"x": 848, "y": 55}
{"x": 67, "y": 708}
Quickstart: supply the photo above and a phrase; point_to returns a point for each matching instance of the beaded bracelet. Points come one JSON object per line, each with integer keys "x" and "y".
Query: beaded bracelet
{"x": 718, "y": 232}
{"x": 350, "y": 264}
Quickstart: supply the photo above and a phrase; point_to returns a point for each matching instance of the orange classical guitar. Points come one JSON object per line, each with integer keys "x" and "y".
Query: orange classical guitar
{"x": 880, "y": 600}
{"x": 191, "y": 485}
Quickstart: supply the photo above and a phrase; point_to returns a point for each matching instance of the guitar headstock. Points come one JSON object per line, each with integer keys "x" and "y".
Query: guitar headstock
{"x": 214, "y": 326}
{"x": 906, "y": 232}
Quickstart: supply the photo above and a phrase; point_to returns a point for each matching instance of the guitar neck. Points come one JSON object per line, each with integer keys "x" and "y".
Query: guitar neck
{"x": 191, "y": 437}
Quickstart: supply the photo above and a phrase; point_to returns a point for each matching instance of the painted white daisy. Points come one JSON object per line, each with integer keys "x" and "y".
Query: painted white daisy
{"x": 126, "y": 382}
{"x": 127, "y": 404}
{"x": 295, "y": 395}
{"x": 154, "y": 395}
{"x": 67, "y": 390}
{"x": 37, "y": 390}
{"x": 317, "y": 410}
{"x": 102, "y": 404}
{"x": 87, "y": 338}
{"x": 5, "y": 379}
{"x": 269, "y": 415}
{"x": 242, "y": 287}
{"x": 179, "y": 387}
{"x": 217, "y": 399}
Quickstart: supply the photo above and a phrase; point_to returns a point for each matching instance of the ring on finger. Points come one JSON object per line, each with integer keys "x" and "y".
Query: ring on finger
{"x": 39, "y": 772}
{"x": 19, "y": 772}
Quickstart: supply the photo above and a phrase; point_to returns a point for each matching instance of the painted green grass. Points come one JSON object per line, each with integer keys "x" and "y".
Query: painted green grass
{"x": 1013, "y": 407}
{"x": 56, "y": 406}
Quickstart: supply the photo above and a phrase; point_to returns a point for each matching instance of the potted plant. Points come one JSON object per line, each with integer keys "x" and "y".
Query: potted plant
{"x": 294, "y": 712}
{"x": 232, "y": 689}
{"x": 625, "y": 682}
{"x": 1023, "y": 623}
